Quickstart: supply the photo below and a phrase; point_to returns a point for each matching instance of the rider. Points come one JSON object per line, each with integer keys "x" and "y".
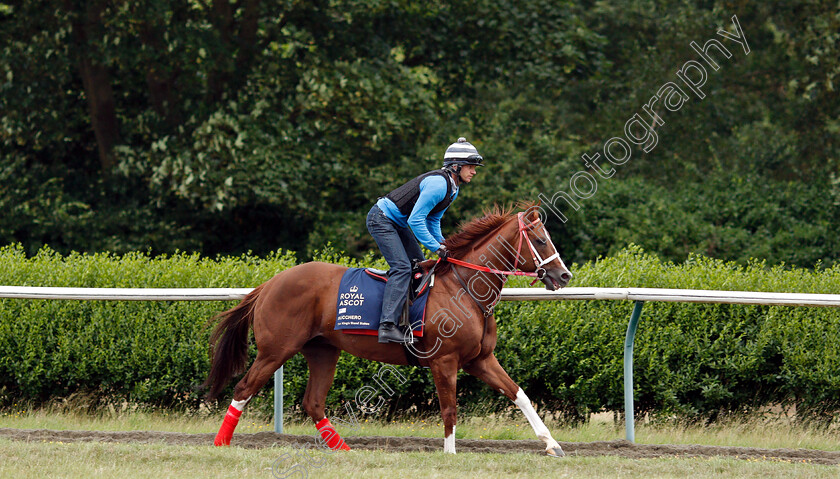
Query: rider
{"x": 412, "y": 213}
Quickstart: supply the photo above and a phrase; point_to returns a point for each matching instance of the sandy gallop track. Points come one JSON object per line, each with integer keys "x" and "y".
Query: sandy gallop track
{"x": 399, "y": 444}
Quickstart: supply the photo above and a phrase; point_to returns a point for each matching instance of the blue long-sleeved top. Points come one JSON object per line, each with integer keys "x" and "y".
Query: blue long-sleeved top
{"x": 425, "y": 227}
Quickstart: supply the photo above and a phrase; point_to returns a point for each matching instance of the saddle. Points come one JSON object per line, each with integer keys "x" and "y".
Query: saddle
{"x": 422, "y": 273}
{"x": 422, "y": 278}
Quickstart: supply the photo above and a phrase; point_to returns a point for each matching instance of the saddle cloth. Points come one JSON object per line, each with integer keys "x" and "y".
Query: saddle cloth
{"x": 359, "y": 303}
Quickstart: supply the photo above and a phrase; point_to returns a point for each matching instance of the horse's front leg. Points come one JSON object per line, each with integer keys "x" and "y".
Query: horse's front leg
{"x": 491, "y": 372}
{"x": 445, "y": 373}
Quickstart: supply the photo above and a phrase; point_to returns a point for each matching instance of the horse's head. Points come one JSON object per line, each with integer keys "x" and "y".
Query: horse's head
{"x": 519, "y": 241}
{"x": 540, "y": 255}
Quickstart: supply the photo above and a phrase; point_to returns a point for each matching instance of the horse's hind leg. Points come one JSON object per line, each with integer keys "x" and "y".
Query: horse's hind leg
{"x": 321, "y": 358}
{"x": 258, "y": 374}
{"x": 491, "y": 372}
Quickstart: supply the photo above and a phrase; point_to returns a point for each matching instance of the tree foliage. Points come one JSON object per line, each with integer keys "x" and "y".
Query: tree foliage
{"x": 227, "y": 126}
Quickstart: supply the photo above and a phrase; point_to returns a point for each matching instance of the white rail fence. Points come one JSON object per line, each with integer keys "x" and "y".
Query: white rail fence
{"x": 639, "y": 295}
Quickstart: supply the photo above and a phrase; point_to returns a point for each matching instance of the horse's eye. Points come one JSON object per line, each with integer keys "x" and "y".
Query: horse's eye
{"x": 541, "y": 241}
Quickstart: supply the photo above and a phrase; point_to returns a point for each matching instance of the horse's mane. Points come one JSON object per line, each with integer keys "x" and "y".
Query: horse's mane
{"x": 473, "y": 231}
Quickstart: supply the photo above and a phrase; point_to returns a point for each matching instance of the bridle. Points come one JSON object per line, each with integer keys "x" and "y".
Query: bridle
{"x": 539, "y": 262}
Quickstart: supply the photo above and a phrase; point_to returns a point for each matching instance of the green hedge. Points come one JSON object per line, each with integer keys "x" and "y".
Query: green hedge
{"x": 150, "y": 352}
{"x": 691, "y": 359}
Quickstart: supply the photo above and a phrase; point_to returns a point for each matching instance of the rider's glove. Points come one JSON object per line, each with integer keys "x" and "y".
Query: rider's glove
{"x": 442, "y": 252}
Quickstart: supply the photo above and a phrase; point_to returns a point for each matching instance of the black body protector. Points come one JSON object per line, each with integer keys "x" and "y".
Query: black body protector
{"x": 406, "y": 195}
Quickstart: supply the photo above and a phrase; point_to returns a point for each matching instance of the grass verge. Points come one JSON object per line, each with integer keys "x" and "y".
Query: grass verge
{"x": 93, "y": 460}
{"x": 771, "y": 432}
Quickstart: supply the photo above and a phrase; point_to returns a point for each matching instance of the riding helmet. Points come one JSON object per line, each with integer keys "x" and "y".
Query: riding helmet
{"x": 462, "y": 153}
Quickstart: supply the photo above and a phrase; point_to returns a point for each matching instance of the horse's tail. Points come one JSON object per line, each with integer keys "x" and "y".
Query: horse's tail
{"x": 229, "y": 343}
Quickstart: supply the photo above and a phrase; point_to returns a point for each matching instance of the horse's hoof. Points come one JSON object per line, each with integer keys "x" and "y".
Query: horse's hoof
{"x": 555, "y": 452}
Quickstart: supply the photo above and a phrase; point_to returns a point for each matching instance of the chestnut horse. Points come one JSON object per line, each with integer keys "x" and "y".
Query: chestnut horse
{"x": 295, "y": 311}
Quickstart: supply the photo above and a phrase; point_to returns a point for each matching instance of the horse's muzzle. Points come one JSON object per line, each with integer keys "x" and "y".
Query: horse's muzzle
{"x": 556, "y": 278}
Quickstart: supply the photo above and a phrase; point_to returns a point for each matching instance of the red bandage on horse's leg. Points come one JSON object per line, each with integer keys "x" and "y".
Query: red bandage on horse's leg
{"x": 228, "y": 425}
{"x": 330, "y": 435}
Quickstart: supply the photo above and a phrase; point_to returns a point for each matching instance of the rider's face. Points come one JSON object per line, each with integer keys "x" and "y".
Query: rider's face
{"x": 467, "y": 172}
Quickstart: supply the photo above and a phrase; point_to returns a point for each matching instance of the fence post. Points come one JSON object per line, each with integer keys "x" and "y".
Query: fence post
{"x": 629, "y": 424}
{"x": 278, "y": 401}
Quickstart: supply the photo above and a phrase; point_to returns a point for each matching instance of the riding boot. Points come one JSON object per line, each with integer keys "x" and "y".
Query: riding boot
{"x": 405, "y": 318}
{"x": 390, "y": 333}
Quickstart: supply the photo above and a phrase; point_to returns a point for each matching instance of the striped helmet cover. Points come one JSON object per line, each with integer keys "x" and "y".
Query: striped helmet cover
{"x": 462, "y": 152}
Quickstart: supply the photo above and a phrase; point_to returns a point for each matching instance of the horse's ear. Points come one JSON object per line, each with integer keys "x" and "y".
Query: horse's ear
{"x": 532, "y": 213}
{"x": 537, "y": 209}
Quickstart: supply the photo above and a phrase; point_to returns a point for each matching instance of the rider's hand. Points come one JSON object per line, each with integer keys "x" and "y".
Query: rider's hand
{"x": 442, "y": 252}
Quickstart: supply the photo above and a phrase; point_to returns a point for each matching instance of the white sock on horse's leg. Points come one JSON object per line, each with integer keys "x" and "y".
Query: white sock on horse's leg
{"x": 449, "y": 442}
{"x": 240, "y": 405}
{"x": 536, "y": 423}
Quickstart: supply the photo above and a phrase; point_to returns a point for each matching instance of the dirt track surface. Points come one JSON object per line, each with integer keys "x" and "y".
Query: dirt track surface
{"x": 400, "y": 444}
